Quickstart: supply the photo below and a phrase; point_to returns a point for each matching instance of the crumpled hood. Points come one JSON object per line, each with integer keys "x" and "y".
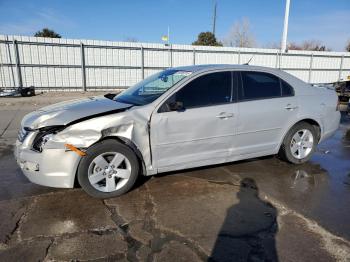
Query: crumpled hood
{"x": 66, "y": 112}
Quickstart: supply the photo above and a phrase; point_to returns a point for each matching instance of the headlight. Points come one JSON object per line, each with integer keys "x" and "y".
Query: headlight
{"x": 40, "y": 144}
{"x": 22, "y": 134}
{"x": 44, "y": 135}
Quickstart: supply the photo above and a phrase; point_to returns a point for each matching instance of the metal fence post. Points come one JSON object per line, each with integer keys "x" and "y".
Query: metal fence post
{"x": 194, "y": 56}
{"x": 170, "y": 56}
{"x": 280, "y": 59}
{"x": 83, "y": 76}
{"x": 12, "y": 75}
{"x": 142, "y": 63}
{"x": 18, "y": 64}
{"x": 239, "y": 56}
{"x": 341, "y": 67}
{"x": 276, "y": 66}
{"x": 2, "y": 71}
{"x": 310, "y": 68}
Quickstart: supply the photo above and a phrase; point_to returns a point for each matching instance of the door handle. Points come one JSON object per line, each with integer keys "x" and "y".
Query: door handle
{"x": 290, "y": 107}
{"x": 224, "y": 115}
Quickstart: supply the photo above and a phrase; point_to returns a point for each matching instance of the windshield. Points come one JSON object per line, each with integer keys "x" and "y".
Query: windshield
{"x": 152, "y": 87}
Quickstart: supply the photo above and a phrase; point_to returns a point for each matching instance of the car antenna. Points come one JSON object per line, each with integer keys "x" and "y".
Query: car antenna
{"x": 249, "y": 60}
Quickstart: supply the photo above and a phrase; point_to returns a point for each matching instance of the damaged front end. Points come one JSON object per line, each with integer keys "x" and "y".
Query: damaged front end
{"x": 52, "y": 140}
{"x": 59, "y": 135}
{"x": 49, "y": 167}
{"x": 44, "y": 135}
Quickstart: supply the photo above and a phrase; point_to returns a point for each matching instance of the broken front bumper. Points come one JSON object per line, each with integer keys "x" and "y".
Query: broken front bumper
{"x": 51, "y": 167}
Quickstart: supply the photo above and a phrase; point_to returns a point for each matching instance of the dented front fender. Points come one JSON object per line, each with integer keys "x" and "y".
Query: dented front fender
{"x": 132, "y": 125}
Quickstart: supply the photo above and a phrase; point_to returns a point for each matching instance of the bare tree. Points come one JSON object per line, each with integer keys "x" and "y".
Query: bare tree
{"x": 310, "y": 45}
{"x": 240, "y": 35}
{"x": 272, "y": 45}
{"x": 131, "y": 39}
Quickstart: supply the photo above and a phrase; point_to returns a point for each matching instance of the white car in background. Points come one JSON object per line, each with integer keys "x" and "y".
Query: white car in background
{"x": 179, "y": 118}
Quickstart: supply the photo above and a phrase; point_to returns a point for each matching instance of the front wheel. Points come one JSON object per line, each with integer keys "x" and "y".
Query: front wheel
{"x": 299, "y": 143}
{"x": 109, "y": 169}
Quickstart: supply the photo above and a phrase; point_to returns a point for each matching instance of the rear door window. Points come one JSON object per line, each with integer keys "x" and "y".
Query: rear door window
{"x": 287, "y": 90}
{"x": 259, "y": 85}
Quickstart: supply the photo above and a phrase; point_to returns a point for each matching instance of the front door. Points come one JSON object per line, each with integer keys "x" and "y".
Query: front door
{"x": 201, "y": 131}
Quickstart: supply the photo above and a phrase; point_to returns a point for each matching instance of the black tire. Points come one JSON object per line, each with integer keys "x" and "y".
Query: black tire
{"x": 108, "y": 145}
{"x": 285, "y": 151}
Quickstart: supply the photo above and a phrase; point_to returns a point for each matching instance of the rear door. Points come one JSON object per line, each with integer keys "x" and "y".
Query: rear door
{"x": 200, "y": 133}
{"x": 266, "y": 106}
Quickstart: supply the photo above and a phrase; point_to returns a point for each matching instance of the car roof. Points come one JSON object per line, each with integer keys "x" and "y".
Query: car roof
{"x": 208, "y": 67}
{"x": 195, "y": 68}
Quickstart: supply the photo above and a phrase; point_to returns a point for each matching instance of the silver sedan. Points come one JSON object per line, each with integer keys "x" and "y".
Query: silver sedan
{"x": 179, "y": 118}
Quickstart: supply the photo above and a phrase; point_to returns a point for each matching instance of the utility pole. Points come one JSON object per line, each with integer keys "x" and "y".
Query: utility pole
{"x": 285, "y": 28}
{"x": 214, "y": 17}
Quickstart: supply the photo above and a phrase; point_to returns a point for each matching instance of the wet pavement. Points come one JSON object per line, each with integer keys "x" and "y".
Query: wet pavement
{"x": 319, "y": 189}
{"x": 257, "y": 210}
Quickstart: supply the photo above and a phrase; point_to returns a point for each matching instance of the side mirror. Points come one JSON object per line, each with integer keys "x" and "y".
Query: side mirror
{"x": 176, "y": 106}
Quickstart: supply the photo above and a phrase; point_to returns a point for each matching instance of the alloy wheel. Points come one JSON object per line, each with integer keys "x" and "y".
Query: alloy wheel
{"x": 302, "y": 143}
{"x": 109, "y": 171}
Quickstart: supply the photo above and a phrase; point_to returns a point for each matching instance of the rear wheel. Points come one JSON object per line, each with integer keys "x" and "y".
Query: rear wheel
{"x": 299, "y": 144}
{"x": 109, "y": 169}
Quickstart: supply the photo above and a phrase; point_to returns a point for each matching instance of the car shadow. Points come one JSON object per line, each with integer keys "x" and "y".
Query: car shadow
{"x": 142, "y": 179}
{"x": 249, "y": 229}
{"x": 211, "y": 166}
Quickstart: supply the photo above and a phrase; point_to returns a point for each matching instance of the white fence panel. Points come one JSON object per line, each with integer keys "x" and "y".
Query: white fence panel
{"x": 59, "y": 64}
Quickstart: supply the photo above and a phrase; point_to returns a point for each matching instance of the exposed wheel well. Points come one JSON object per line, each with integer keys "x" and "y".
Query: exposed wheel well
{"x": 131, "y": 145}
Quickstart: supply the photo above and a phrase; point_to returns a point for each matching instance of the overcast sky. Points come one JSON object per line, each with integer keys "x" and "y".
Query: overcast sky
{"x": 147, "y": 20}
